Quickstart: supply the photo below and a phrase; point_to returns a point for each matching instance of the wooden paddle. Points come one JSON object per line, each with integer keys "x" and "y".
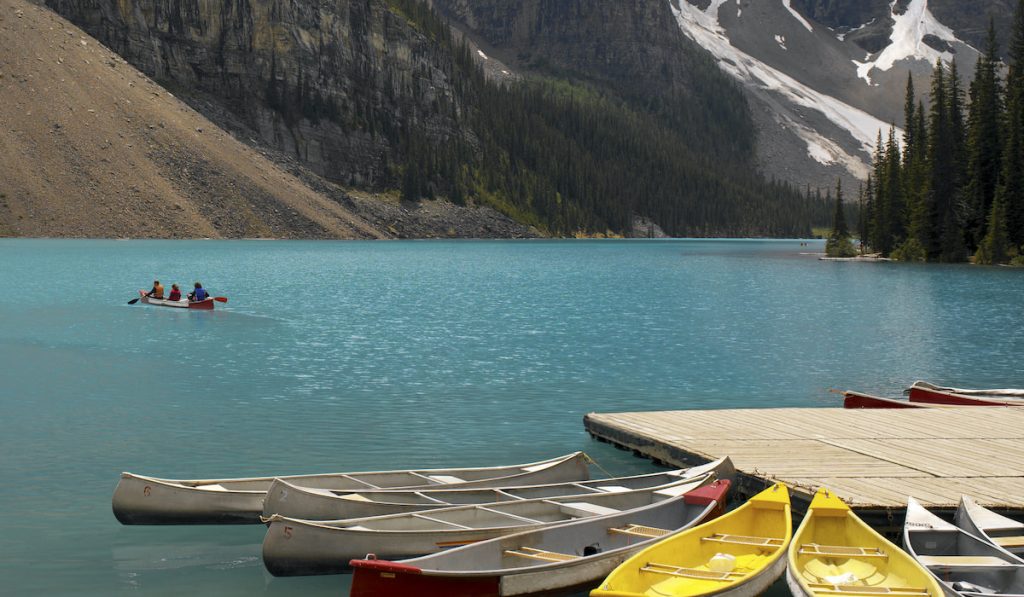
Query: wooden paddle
{"x": 219, "y": 299}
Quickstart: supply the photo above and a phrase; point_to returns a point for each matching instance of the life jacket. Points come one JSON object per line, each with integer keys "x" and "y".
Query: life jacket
{"x": 175, "y": 295}
{"x": 200, "y": 294}
{"x": 158, "y": 291}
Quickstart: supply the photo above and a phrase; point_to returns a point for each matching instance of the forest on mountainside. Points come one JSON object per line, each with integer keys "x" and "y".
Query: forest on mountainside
{"x": 568, "y": 157}
{"x": 956, "y": 187}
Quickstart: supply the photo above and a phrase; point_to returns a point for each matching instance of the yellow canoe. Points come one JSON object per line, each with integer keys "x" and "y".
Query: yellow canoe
{"x": 835, "y": 553}
{"x": 738, "y": 554}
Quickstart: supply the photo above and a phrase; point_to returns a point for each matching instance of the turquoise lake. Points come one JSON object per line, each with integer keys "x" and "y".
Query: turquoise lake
{"x": 335, "y": 356}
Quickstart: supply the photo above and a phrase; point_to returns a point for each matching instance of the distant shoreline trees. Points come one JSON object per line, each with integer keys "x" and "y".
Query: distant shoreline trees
{"x": 956, "y": 187}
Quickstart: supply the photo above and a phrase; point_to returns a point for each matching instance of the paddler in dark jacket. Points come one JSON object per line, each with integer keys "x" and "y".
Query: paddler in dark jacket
{"x": 158, "y": 290}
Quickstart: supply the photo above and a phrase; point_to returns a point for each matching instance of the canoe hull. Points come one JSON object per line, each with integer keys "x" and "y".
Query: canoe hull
{"x": 148, "y": 500}
{"x": 308, "y": 550}
{"x": 858, "y": 400}
{"x": 397, "y": 579}
{"x": 296, "y": 501}
{"x": 293, "y": 500}
{"x": 204, "y": 305}
{"x": 928, "y": 396}
{"x": 141, "y": 500}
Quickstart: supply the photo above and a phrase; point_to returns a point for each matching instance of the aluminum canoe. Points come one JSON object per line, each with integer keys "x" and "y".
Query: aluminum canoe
{"x": 965, "y": 565}
{"x": 990, "y": 526}
{"x": 739, "y": 554}
{"x": 292, "y": 500}
{"x": 294, "y": 547}
{"x": 140, "y": 499}
{"x": 557, "y": 558}
{"x": 835, "y": 553}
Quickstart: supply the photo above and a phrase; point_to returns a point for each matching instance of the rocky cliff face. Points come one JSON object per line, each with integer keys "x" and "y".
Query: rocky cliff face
{"x": 635, "y": 49}
{"x": 616, "y": 43}
{"x": 869, "y": 23}
{"x": 333, "y": 83}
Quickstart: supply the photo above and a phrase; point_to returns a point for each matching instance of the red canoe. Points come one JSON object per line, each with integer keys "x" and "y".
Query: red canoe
{"x": 204, "y": 305}
{"x": 924, "y": 394}
{"x": 858, "y": 400}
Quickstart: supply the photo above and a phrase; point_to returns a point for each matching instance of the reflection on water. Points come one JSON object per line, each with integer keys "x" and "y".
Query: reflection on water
{"x": 333, "y": 356}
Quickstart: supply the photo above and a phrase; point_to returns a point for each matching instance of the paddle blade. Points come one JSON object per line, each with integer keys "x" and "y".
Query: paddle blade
{"x": 221, "y": 299}
{"x": 133, "y": 301}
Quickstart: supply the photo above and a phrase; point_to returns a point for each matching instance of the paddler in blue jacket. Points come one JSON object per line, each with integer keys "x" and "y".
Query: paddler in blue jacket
{"x": 199, "y": 294}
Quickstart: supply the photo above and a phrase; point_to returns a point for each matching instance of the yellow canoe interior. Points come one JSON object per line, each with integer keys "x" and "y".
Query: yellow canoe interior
{"x": 836, "y": 553}
{"x": 699, "y": 561}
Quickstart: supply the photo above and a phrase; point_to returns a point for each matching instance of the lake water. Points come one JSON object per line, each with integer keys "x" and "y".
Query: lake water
{"x": 334, "y": 356}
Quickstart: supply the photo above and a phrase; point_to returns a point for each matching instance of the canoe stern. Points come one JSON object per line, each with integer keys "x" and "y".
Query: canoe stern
{"x": 379, "y": 578}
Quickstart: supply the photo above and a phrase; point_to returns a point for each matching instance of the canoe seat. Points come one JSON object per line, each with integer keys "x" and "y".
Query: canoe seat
{"x": 612, "y": 488}
{"x": 963, "y": 562}
{"x": 1009, "y": 542}
{"x": 828, "y": 589}
{"x": 639, "y": 530}
{"x": 446, "y": 479}
{"x": 211, "y": 487}
{"x": 540, "y": 554}
{"x": 765, "y": 542}
{"x": 584, "y": 509}
{"x": 671, "y": 570}
{"x": 841, "y": 551}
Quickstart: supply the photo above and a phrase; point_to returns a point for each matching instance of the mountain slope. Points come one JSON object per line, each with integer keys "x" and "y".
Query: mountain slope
{"x": 376, "y": 94}
{"x": 93, "y": 148}
{"x": 825, "y": 76}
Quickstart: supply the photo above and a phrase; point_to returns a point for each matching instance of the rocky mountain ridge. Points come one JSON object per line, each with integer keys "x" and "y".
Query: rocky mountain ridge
{"x": 824, "y": 76}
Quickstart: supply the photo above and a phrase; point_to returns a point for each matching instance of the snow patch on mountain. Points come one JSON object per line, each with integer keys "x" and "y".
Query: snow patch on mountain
{"x": 798, "y": 16}
{"x": 907, "y": 40}
{"x": 704, "y": 28}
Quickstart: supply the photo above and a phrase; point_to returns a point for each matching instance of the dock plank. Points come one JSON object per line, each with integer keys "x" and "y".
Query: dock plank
{"x": 871, "y": 458}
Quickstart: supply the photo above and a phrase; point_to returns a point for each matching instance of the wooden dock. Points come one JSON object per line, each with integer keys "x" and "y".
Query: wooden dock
{"x": 873, "y": 459}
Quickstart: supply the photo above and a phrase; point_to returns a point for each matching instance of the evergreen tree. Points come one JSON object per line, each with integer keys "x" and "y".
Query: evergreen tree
{"x": 993, "y": 248}
{"x": 838, "y": 244}
{"x": 984, "y": 141}
{"x": 953, "y": 248}
{"x": 1012, "y": 187}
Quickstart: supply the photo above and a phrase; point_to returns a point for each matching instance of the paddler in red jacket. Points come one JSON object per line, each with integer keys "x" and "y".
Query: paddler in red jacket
{"x": 175, "y": 293}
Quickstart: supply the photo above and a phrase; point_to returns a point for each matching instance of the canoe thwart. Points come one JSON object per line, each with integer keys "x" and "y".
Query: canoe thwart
{"x": 540, "y": 554}
{"x": 830, "y": 589}
{"x": 841, "y": 551}
{"x": 963, "y": 561}
{"x": 639, "y": 530}
{"x": 1009, "y": 542}
{"x": 689, "y": 572}
{"x": 766, "y": 542}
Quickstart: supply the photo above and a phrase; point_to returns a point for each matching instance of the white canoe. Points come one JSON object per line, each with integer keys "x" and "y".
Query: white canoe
{"x": 294, "y": 547}
{"x": 558, "y": 558}
{"x": 291, "y": 499}
{"x": 149, "y": 500}
{"x": 964, "y": 564}
{"x": 994, "y": 528}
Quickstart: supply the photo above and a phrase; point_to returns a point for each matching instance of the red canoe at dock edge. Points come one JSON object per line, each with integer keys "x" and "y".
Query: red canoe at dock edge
{"x": 204, "y": 305}
{"x": 381, "y": 578}
{"x": 858, "y": 400}
{"x": 925, "y": 395}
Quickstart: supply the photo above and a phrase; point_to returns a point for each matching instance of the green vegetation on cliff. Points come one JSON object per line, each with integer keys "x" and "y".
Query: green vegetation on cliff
{"x": 569, "y": 157}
